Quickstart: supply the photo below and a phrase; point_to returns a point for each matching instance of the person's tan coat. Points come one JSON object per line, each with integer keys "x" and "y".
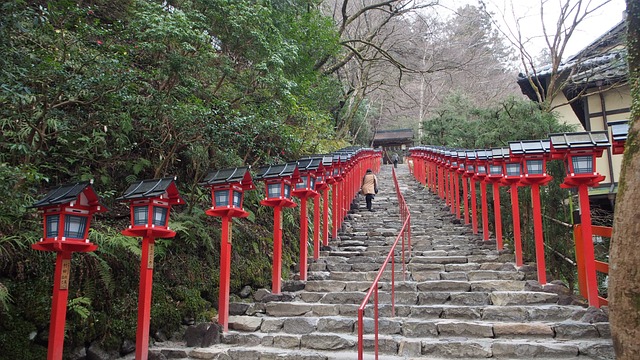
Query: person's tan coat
{"x": 369, "y": 184}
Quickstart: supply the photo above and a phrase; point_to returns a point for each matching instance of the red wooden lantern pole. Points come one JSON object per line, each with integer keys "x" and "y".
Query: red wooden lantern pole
{"x": 67, "y": 212}
{"x": 481, "y": 173}
{"x": 512, "y": 170}
{"x": 150, "y": 203}
{"x": 471, "y": 170}
{"x": 534, "y": 154}
{"x": 278, "y": 180}
{"x": 227, "y": 194}
{"x": 579, "y": 152}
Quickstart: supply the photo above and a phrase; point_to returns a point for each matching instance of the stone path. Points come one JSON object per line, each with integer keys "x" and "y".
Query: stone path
{"x": 461, "y": 299}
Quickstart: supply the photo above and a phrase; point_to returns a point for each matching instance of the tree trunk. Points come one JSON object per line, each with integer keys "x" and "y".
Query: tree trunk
{"x": 624, "y": 289}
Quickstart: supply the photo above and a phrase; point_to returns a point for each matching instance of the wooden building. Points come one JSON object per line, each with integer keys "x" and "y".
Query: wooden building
{"x": 393, "y": 142}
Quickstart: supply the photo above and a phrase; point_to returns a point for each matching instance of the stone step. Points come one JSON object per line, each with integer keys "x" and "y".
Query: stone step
{"x": 447, "y": 347}
{"x": 412, "y": 328}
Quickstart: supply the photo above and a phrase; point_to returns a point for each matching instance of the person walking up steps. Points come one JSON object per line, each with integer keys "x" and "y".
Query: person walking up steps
{"x": 369, "y": 188}
{"x": 395, "y": 160}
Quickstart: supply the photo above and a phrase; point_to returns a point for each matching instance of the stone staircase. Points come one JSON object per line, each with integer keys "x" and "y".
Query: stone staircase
{"x": 461, "y": 298}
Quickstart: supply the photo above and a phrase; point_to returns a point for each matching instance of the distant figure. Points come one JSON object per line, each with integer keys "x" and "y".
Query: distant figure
{"x": 369, "y": 187}
{"x": 395, "y": 160}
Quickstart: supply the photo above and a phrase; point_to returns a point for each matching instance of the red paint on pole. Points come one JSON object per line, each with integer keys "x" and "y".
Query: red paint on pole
{"x": 465, "y": 195}
{"x": 325, "y": 217}
{"x": 457, "y": 194}
{"x": 59, "y": 305}
{"x": 277, "y": 250}
{"x": 334, "y": 210}
{"x": 303, "y": 238}
{"x": 225, "y": 273}
{"x": 144, "y": 298}
{"x": 537, "y": 229}
{"x": 316, "y": 227}
{"x": 515, "y": 212}
{"x": 474, "y": 207}
{"x": 485, "y": 211}
{"x": 587, "y": 246}
{"x": 497, "y": 215}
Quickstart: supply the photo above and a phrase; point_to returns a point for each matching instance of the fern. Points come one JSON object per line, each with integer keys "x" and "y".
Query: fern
{"x": 80, "y": 306}
{"x": 104, "y": 270}
{"x": 5, "y": 298}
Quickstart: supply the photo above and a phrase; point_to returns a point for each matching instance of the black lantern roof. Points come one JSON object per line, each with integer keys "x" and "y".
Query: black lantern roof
{"x": 152, "y": 188}
{"x": 527, "y": 147}
{"x": 581, "y": 140}
{"x": 311, "y": 164}
{"x": 470, "y": 154}
{"x": 619, "y": 130}
{"x": 483, "y": 154}
{"x": 462, "y": 154}
{"x": 67, "y": 193}
{"x": 500, "y": 153}
{"x": 277, "y": 171}
{"x": 227, "y": 176}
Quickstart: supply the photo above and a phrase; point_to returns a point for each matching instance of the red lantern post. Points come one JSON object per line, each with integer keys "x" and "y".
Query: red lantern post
{"x": 150, "y": 204}
{"x": 495, "y": 178}
{"x": 67, "y": 211}
{"x": 470, "y": 174}
{"x": 481, "y": 172}
{"x": 512, "y": 170}
{"x": 336, "y": 192}
{"x": 579, "y": 152}
{"x": 455, "y": 189}
{"x": 534, "y": 154}
{"x": 278, "y": 182}
{"x": 462, "y": 170}
{"x": 227, "y": 195}
{"x": 309, "y": 169}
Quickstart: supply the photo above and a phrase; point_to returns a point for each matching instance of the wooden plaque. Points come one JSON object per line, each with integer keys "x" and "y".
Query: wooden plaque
{"x": 65, "y": 274}
{"x": 150, "y": 257}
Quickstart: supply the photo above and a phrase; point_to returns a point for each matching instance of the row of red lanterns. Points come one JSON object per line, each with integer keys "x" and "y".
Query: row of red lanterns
{"x": 523, "y": 163}
{"x": 68, "y": 211}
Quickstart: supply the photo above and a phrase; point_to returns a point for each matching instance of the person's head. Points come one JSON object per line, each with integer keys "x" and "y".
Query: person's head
{"x": 369, "y": 171}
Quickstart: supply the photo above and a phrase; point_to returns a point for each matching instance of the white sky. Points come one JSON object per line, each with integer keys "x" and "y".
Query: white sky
{"x": 529, "y": 10}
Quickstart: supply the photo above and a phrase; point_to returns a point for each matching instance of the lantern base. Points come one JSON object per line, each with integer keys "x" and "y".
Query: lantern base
{"x": 287, "y": 203}
{"x": 575, "y": 181}
{"x": 161, "y": 233}
{"x": 230, "y": 212}
{"x": 539, "y": 180}
{"x": 304, "y": 193}
{"x": 64, "y": 246}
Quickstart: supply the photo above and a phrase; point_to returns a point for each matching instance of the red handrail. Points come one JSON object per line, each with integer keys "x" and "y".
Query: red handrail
{"x": 405, "y": 232}
{"x": 585, "y": 264}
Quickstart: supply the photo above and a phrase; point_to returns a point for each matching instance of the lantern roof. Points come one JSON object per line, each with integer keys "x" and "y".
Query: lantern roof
{"x": 310, "y": 164}
{"x": 67, "y": 193}
{"x": 289, "y": 169}
{"x": 470, "y": 154}
{"x": 153, "y": 188}
{"x": 462, "y": 154}
{"x": 619, "y": 130}
{"x": 239, "y": 175}
{"x": 483, "y": 154}
{"x": 528, "y": 147}
{"x": 500, "y": 153}
{"x": 579, "y": 140}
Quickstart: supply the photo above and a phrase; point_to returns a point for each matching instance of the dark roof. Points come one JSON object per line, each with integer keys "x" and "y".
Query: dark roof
{"x": 64, "y": 194}
{"x": 500, "y": 153}
{"x": 276, "y": 171}
{"x": 387, "y": 135}
{"x": 619, "y": 130}
{"x": 589, "y": 140}
{"x": 226, "y": 176}
{"x": 151, "y": 188}
{"x": 483, "y": 154}
{"x": 309, "y": 164}
{"x": 529, "y": 147}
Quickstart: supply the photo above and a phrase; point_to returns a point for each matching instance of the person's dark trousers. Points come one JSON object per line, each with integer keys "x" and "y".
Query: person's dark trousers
{"x": 395, "y": 164}
{"x": 369, "y": 198}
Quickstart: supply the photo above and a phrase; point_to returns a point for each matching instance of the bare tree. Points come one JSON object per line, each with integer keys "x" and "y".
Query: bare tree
{"x": 550, "y": 80}
{"x": 624, "y": 286}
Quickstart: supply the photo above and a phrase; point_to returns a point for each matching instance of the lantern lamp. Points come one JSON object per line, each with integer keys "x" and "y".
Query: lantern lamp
{"x": 619, "y": 133}
{"x": 279, "y": 179}
{"x": 470, "y": 162}
{"x": 533, "y": 155}
{"x": 68, "y": 210}
{"x": 579, "y": 152}
{"x": 150, "y": 205}
{"x": 310, "y": 169}
{"x": 227, "y": 191}
{"x": 482, "y": 159}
